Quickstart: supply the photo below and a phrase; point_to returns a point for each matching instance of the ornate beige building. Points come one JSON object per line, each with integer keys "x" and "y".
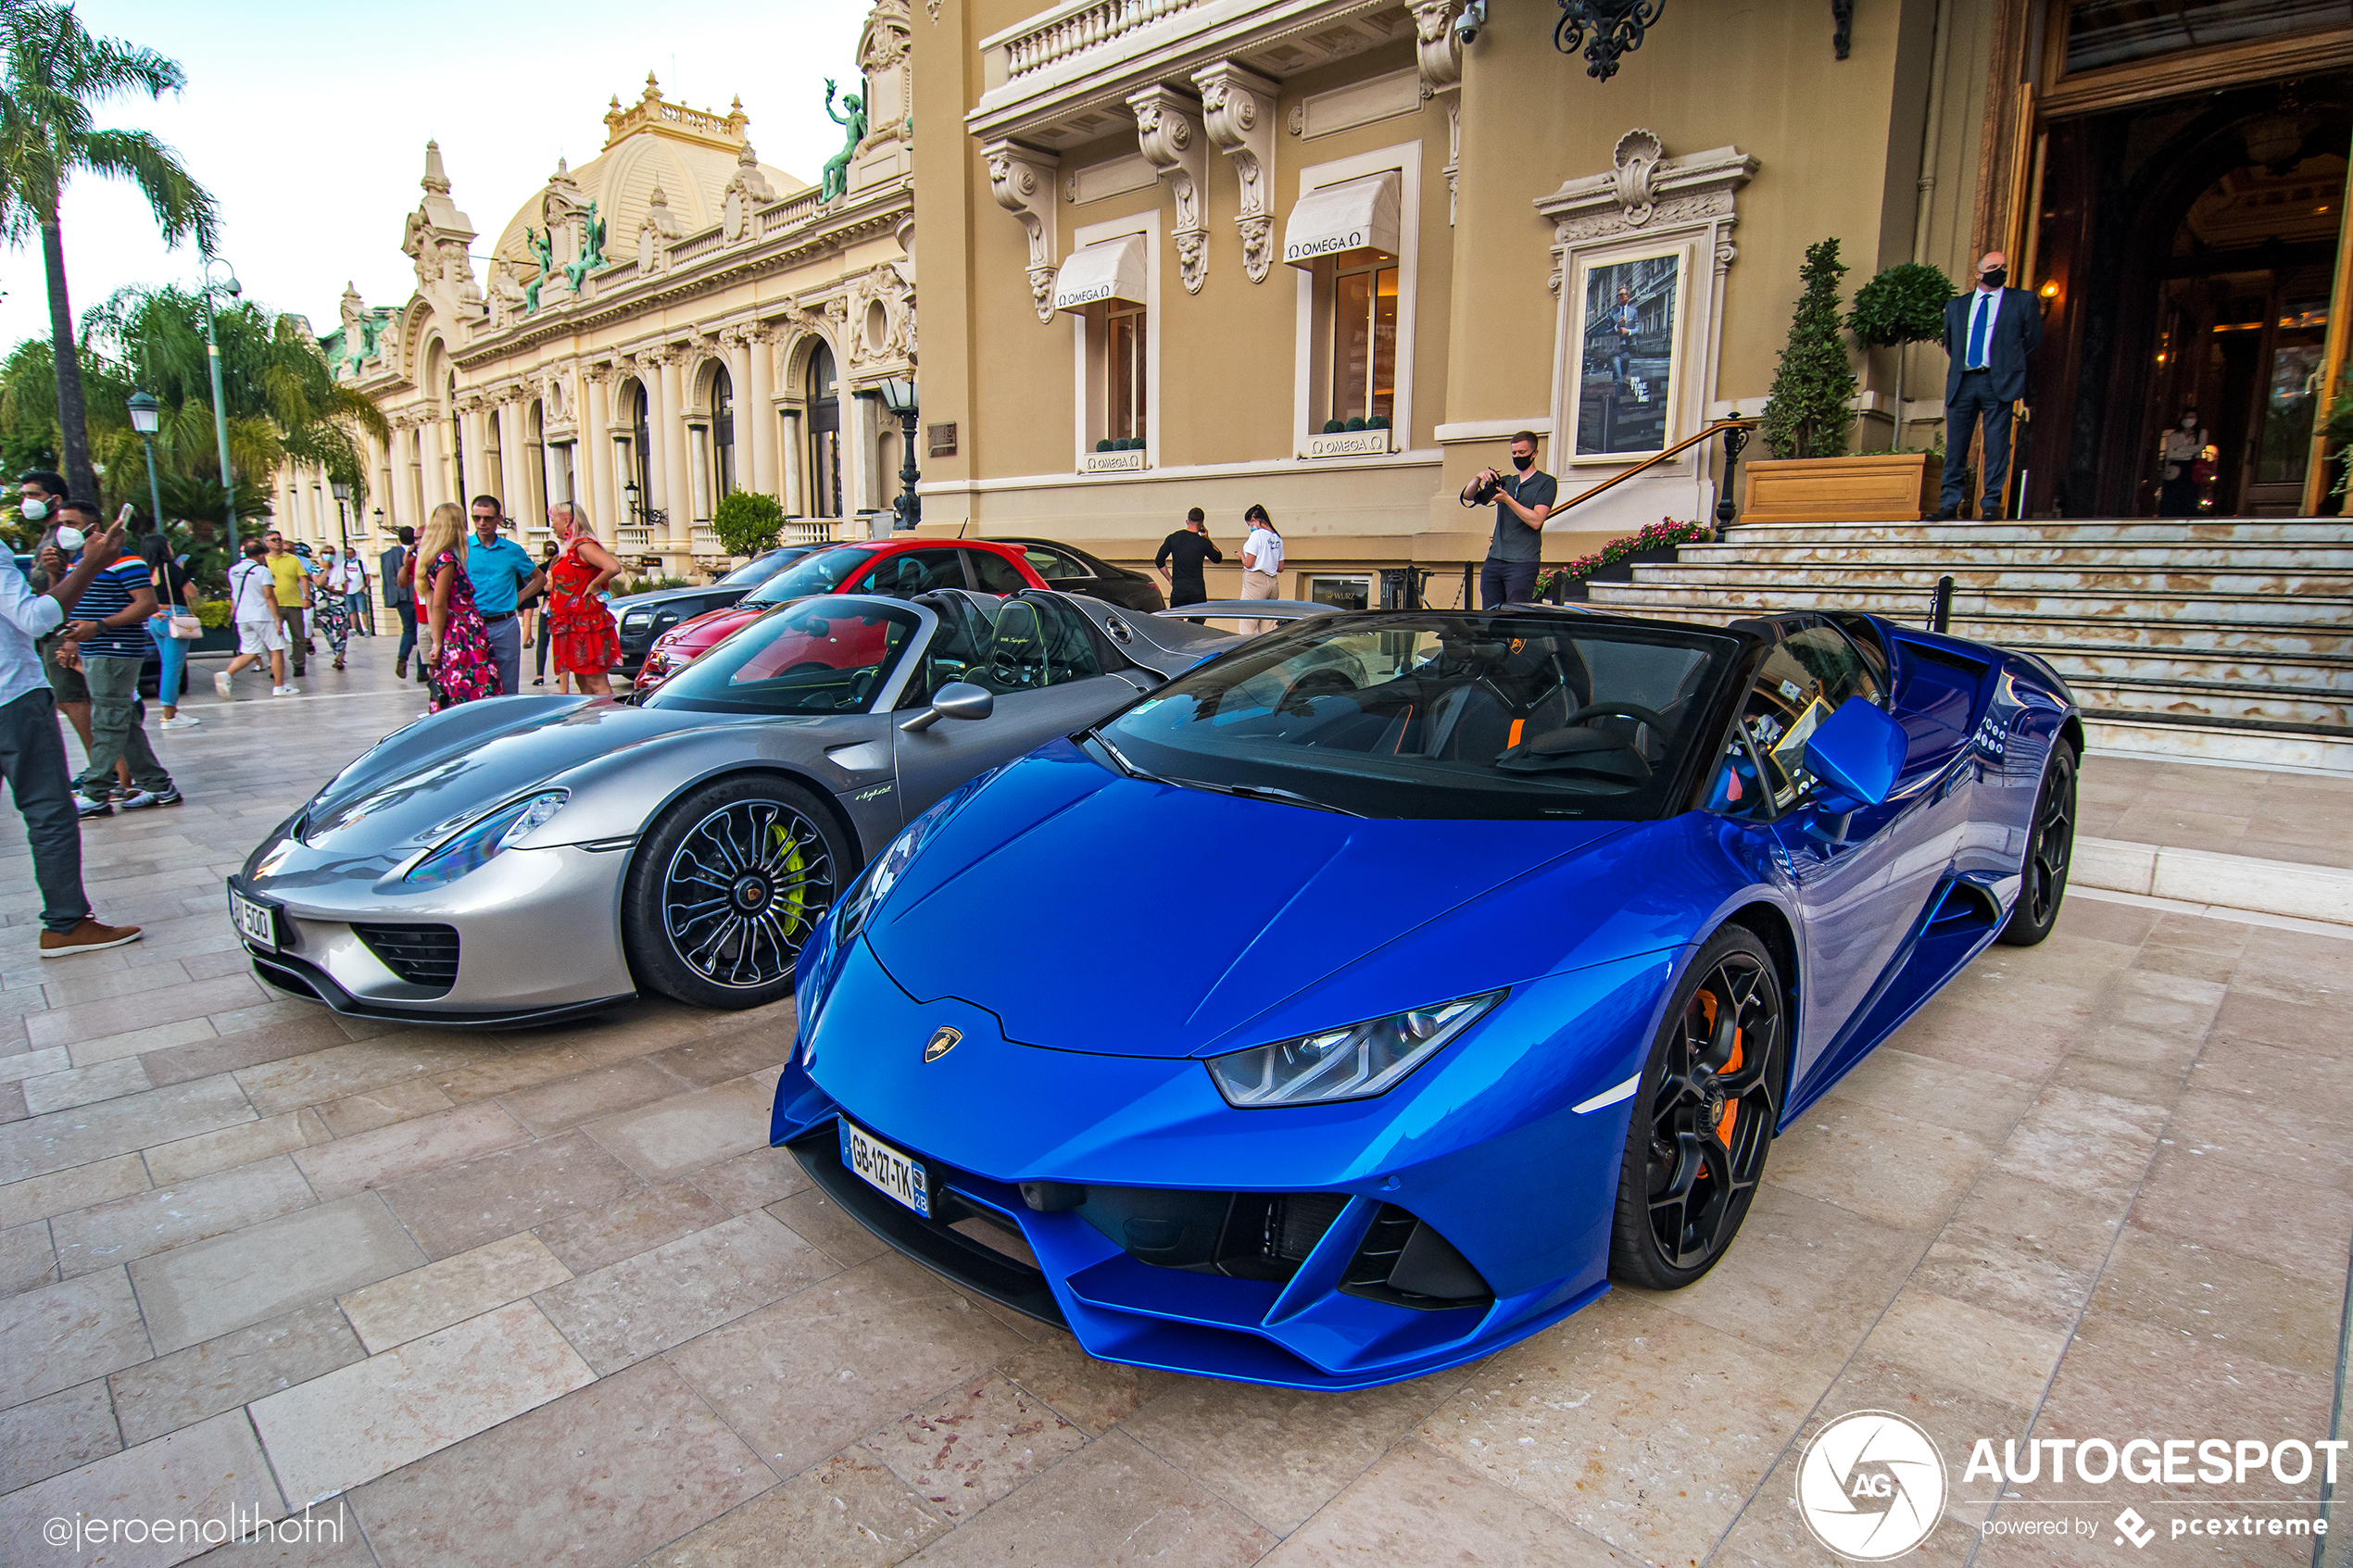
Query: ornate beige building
{"x": 1170, "y": 244}
{"x": 669, "y": 321}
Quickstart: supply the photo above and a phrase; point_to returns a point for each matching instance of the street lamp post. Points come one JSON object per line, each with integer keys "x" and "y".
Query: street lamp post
{"x": 145, "y": 413}
{"x": 219, "y": 404}
{"x": 899, "y": 396}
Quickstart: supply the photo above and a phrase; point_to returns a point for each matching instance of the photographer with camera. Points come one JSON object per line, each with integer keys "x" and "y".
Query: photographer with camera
{"x": 1522, "y": 501}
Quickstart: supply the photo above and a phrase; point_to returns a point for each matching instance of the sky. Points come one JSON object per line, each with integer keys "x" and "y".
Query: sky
{"x": 308, "y": 122}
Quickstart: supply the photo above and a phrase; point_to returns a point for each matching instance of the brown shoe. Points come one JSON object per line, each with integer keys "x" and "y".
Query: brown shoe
{"x": 87, "y": 937}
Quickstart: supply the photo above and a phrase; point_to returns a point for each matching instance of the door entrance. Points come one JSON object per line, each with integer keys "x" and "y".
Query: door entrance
{"x": 2188, "y": 248}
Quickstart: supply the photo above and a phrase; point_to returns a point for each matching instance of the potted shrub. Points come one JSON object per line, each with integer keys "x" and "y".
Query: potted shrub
{"x": 1810, "y": 417}
{"x": 747, "y": 523}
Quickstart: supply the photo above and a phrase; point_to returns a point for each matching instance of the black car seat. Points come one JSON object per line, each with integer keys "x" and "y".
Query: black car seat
{"x": 1017, "y": 659}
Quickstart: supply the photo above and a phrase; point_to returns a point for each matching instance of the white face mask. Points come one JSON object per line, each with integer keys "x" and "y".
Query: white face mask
{"x": 34, "y": 510}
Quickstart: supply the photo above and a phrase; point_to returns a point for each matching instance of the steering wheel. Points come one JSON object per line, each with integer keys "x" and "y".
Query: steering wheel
{"x": 1641, "y": 715}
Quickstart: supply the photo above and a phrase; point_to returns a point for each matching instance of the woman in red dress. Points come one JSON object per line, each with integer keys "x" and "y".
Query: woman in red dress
{"x": 586, "y": 643}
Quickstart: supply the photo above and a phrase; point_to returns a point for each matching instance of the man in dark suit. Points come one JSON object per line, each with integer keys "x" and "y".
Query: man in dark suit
{"x": 402, "y": 597}
{"x": 1988, "y": 333}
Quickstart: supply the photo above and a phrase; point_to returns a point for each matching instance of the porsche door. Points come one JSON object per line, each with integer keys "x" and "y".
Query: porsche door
{"x": 1039, "y": 657}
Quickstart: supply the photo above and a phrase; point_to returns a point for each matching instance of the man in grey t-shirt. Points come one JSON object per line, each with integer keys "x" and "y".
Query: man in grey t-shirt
{"x": 1522, "y": 500}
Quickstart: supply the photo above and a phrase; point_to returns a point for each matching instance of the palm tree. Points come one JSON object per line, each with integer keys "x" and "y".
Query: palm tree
{"x": 52, "y": 71}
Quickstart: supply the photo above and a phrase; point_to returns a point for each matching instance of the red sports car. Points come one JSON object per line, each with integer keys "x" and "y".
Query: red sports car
{"x": 902, "y": 568}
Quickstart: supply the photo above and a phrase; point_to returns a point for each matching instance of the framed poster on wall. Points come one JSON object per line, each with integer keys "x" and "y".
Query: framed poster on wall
{"x": 1629, "y": 312}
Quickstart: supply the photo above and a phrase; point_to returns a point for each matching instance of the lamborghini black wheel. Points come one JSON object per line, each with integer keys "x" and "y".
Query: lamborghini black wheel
{"x": 1705, "y": 1109}
{"x": 726, "y": 887}
{"x": 2050, "y": 849}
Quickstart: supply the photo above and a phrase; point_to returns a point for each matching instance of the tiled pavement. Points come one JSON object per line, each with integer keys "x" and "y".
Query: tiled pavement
{"x": 542, "y": 1298}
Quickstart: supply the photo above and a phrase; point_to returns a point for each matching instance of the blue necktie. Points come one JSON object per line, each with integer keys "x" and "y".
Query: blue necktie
{"x": 1976, "y": 333}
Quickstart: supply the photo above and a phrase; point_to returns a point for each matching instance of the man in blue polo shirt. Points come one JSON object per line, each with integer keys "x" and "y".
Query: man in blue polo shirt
{"x": 501, "y": 571}
{"x": 108, "y": 634}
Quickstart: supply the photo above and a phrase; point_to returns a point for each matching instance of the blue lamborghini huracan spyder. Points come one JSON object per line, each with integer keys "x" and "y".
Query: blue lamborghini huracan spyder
{"x": 1480, "y": 959}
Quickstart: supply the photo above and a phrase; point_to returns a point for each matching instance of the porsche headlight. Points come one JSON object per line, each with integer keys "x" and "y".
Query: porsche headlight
{"x": 474, "y": 844}
{"x": 1354, "y": 1062}
{"x": 875, "y": 885}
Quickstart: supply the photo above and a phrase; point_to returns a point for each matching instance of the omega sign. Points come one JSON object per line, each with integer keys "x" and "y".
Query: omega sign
{"x": 1064, "y": 299}
{"x": 1307, "y": 250}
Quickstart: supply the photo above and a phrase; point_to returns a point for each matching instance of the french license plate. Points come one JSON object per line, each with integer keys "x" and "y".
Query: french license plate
{"x": 884, "y": 1169}
{"x": 256, "y": 922}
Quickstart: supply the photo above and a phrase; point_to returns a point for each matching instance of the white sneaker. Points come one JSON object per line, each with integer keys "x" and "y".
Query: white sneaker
{"x": 180, "y": 722}
{"x": 220, "y": 684}
{"x": 285, "y": 691}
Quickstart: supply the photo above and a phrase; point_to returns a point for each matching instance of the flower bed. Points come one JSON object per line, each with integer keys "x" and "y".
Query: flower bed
{"x": 1615, "y": 561}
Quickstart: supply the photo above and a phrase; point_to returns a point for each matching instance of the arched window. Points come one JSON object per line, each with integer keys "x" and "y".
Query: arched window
{"x": 824, "y": 436}
{"x": 641, "y": 447}
{"x": 723, "y": 433}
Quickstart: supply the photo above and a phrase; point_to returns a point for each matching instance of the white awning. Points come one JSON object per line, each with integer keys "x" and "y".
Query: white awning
{"x": 1349, "y": 218}
{"x": 1106, "y": 269}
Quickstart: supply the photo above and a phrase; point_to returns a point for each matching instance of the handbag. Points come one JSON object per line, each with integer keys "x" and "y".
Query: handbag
{"x": 178, "y": 622}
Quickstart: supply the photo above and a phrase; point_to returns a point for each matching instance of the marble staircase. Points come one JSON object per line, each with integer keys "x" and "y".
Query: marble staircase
{"x": 2224, "y": 641}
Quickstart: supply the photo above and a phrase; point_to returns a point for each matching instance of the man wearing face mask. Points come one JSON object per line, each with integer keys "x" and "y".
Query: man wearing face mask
{"x": 1522, "y": 500}
{"x": 1988, "y": 334}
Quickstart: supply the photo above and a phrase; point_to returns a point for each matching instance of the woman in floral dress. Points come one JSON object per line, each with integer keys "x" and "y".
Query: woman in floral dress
{"x": 457, "y": 644}
{"x": 588, "y": 644}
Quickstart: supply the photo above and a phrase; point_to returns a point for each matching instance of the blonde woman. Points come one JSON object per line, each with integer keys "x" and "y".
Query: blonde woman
{"x": 587, "y": 644}
{"x": 455, "y": 643}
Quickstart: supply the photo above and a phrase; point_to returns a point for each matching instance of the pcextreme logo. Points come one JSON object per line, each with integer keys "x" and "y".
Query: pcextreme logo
{"x": 1870, "y": 1485}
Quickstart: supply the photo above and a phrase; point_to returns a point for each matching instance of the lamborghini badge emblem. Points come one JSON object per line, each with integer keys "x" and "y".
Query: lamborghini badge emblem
{"x": 943, "y": 1040}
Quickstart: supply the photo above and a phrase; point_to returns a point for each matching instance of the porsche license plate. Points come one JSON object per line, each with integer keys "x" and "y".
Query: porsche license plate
{"x": 256, "y": 922}
{"x": 884, "y": 1169}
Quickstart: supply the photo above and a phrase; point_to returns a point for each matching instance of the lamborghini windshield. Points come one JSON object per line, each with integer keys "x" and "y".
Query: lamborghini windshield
{"x": 1437, "y": 715}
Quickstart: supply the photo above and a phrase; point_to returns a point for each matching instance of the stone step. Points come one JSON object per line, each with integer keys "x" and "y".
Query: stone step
{"x": 2174, "y": 741}
{"x": 2081, "y": 665}
{"x": 2169, "y": 585}
{"x": 1912, "y": 604}
{"x": 2178, "y": 557}
{"x": 2305, "y": 530}
{"x": 2203, "y": 702}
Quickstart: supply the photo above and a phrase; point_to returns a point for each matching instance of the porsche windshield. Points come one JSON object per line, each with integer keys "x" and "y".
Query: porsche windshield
{"x": 1438, "y": 715}
{"x": 819, "y": 572}
{"x": 824, "y": 656}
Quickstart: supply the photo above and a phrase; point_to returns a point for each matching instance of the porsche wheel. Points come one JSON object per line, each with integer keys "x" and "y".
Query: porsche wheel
{"x": 1704, "y": 1112}
{"x": 726, "y": 887}
{"x": 2050, "y": 849}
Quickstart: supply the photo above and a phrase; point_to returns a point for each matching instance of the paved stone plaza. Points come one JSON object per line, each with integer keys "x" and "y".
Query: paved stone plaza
{"x": 549, "y": 1298}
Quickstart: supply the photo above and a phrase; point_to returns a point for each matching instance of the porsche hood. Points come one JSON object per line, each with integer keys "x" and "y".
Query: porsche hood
{"x": 444, "y": 769}
{"x": 1322, "y": 920}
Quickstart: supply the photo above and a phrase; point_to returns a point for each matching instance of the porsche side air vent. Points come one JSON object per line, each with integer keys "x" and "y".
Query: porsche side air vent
{"x": 1408, "y": 1263}
{"x": 422, "y": 955}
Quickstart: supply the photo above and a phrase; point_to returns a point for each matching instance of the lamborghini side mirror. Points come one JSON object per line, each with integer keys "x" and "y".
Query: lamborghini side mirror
{"x": 1857, "y": 753}
{"x": 957, "y": 699}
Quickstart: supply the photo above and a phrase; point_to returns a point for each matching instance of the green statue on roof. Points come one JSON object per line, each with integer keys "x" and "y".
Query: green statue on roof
{"x": 592, "y": 248}
{"x": 853, "y": 122}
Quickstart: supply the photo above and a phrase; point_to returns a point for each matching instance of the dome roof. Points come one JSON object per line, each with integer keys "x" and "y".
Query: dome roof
{"x": 690, "y": 154}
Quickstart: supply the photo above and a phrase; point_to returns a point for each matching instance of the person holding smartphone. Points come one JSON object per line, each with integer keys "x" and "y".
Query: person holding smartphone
{"x": 107, "y": 641}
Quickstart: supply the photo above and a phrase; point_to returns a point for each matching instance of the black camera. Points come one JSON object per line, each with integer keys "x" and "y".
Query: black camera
{"x": 1481, "y": 491}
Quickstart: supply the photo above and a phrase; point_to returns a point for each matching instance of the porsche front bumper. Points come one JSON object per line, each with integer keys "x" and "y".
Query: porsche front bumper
{"x": 535, "y": 935}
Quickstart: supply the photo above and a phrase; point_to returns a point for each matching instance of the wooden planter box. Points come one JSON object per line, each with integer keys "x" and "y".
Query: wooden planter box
{"x": 1874, "y": 487}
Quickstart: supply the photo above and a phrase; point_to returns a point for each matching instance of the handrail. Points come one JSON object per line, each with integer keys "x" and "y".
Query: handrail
{"x": 1654, "y": 460}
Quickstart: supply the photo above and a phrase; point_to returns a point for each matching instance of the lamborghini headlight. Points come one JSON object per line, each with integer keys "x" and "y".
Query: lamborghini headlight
{"x": 473, "y": 845}
{"x": 875, "y": 885}
{"x": 1354, "y": 1062}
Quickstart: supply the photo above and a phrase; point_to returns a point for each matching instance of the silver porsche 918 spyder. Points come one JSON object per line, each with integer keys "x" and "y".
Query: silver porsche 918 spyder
{"x": 522, "y": 860}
